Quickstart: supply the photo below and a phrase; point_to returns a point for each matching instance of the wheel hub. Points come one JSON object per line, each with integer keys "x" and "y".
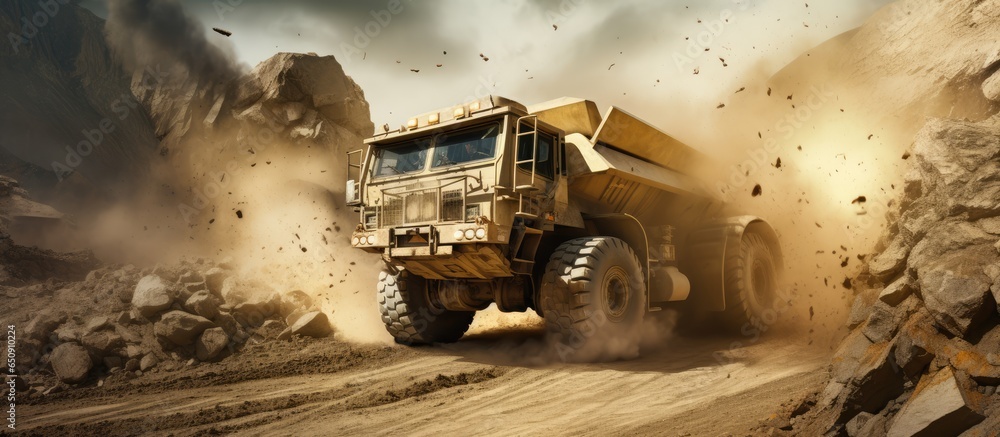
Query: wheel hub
{"x": 616, "y": 293}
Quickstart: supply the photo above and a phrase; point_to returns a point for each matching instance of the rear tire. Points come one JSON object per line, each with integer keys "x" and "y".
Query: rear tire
{"x": 593, "y": 298}
{"x": 409, "y": 316}
{"x": 751, "y": 285}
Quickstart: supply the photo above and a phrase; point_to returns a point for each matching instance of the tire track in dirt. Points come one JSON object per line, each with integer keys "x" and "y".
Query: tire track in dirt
{"x": 461, "y": 388}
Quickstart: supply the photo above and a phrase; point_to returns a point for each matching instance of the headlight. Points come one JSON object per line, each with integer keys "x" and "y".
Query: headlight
{"x": 458, "y": 235}
{"x": 470, "y": 234}
{"x": 480, "y": 233}
{"x": 355, "y": 241}
{"x": 372, "y": 239}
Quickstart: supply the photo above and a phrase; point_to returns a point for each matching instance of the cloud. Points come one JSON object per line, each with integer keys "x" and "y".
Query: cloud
{"x": 529, "y": 59}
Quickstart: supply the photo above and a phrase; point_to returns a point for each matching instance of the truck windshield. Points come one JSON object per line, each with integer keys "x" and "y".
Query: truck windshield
{"x": 408, "y": 158}
{"x": 470, "y": 145}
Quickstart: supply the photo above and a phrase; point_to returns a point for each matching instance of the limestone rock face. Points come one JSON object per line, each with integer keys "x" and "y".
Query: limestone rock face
{"x": 919, "y": 357}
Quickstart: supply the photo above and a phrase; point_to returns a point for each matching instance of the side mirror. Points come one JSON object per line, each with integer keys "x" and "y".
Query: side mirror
{"x": 353, "y": 193}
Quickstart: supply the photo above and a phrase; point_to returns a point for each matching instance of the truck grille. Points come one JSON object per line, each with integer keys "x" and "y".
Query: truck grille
{"x": 422, "y": 207}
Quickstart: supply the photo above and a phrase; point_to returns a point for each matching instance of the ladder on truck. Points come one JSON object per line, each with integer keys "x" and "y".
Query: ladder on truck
{"x": 525, "y": 242}
{"x": 524, "y": 181}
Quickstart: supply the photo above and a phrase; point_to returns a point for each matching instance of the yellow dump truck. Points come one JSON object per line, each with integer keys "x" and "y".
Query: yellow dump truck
{"x": 590, "y": 221}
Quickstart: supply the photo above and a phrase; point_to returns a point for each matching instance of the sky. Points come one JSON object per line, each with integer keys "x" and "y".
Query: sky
{"x": 640, "y": 55}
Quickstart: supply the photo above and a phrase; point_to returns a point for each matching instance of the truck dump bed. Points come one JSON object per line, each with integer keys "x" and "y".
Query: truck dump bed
{"x": 618, "y": 130}
{"x": 621, "y": 161}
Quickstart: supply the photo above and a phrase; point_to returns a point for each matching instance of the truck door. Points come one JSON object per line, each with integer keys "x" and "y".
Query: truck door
{"x": 536, "y": 169}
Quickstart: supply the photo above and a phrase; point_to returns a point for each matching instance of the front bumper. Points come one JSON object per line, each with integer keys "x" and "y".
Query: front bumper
{"x": 436, "y": 252}
{"x": 431, "y": 236}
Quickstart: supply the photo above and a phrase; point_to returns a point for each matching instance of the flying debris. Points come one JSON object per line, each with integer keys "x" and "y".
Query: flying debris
{"x": 757, "y": 191}
{"x": 860, "y": 200}
{"x": 555, "y": 27}
{"x": 609, "y": 67}
{"x": 697, "y": 70}
{"x": 769, "y": 92}
{"x": 740, "y": 90}
{"x": 414, "y": 70}
{"x": 223, "y": 32}
{"x": 721, "y": 105}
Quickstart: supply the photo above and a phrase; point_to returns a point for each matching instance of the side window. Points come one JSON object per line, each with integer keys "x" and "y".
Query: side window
{"x": 545, "y": 158}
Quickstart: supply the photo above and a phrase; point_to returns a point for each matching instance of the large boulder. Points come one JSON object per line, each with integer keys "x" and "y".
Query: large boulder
{"x": 896, "y": 292}
{"x": 237, "y": 290}
{"x": 892, "y": 260}
{"x": 181, "y": 328}
{"x": 71, "y": 362}
{"x": 152, "y": 295}
{"x": 875, "y": 382}
{"x": 203, "y": 304}
{"x": 214, "y": 278}
{"x": 211, "y": 343}
{"x": 284, "y": 88}
{"x": 956, "y": 289}
{"x": 314, "y": 324}
{"x": 103, "y": 343}
{"x": 940, "y": 405}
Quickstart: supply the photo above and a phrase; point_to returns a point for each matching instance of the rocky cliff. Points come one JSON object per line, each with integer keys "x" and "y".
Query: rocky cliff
{"x": 923, "y": 356}
{"x": 70, "y": 127}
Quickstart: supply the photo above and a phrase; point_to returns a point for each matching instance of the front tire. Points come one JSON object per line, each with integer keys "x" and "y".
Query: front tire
{"x": 593, "y": 298}
{"x": 409, "y": 316}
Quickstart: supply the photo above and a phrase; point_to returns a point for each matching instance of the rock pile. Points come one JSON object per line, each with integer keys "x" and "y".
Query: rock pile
{"x": 161, "y": 318}
{"x": 924, "y": 354}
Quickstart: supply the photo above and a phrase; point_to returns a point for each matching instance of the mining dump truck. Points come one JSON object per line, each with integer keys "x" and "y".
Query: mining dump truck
{"x": 590, "y": 221}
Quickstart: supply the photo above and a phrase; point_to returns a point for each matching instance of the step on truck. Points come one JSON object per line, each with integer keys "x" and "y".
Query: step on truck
{"x": 590, "y": 221}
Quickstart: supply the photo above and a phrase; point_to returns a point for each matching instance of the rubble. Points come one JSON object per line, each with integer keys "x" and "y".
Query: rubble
{"x": 158, "y": 329}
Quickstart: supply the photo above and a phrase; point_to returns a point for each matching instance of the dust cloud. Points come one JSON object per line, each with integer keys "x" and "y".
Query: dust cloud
{"x": 810, "y": 154}
{"x": 230, "y": 188}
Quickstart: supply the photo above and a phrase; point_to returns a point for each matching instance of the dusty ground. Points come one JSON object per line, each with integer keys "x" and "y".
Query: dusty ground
{"x": 485, "y": 384}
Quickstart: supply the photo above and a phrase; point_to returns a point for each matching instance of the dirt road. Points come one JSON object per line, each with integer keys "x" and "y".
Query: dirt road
{"x": 487, "y": 384}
